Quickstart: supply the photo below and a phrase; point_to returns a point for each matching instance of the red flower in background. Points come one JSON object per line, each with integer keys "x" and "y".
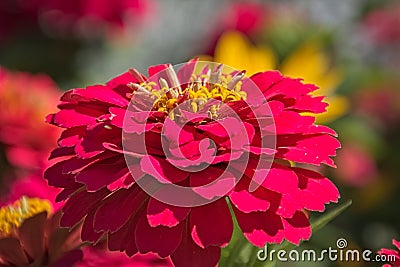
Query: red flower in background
{"x": 356, "y": 166}
{"x": 245, "y": 17}
{"x": 380, "y": 105}
{"x": 248, "y": 18}
{"x": 86, "y": 17}
{"x": 383, "y": 25}
{"x": 391, "y": 254}
{"x": 102, "y": 189}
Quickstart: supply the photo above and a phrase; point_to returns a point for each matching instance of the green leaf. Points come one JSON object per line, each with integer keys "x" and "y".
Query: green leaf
{"x": 329, "y": 216}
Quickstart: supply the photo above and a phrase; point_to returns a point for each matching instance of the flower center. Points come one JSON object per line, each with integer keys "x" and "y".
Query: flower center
{"x": 212, "y": 85}
{"x": 13, "y": 215}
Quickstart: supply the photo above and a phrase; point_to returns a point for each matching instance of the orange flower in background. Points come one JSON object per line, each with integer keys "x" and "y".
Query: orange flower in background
{"x": 25, "y": 100}
{"x": 308, "y": 62}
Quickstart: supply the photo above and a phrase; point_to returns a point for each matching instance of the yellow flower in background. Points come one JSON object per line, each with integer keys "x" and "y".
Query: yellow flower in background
{"x": 308, "y": 62}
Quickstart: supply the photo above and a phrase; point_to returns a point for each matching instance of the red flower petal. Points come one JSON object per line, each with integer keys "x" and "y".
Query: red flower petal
{"x": 314, "y": 148}
{"x": 117, "y": 208}
{"x": 190, "y": 254}
{"x": 163, "y": 171}
{"x": 88, "y": 233}
{"x": 124, "y": 238}
{"x": 102, "y": 173}
{"x": 317, "y": 190}
{"x": 297, "y": 228}
{"x": 159, "y": 213}
{"x": 260, "y": 227}
{"x": 161, "y": 239}
{"x": 247, "y": 202}
{"x": 215, "y": 231}
{"x": 79, "y": 204}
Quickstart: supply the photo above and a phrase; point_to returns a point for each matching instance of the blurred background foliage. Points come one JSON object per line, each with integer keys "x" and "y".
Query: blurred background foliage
{"x": 348, "y": 48}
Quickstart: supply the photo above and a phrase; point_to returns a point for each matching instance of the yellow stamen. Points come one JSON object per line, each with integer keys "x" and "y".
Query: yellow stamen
{"x": 13, "y": 215}
{"x": 212, "y": 85}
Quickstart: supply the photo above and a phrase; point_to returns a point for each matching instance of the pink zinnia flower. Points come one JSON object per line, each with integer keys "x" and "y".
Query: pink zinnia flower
{"x": 203, "y": 132}
{"x": 392, "y": 255}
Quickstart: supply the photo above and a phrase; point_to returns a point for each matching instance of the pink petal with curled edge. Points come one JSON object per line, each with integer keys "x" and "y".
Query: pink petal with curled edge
{"x": 185, "y": 72}
{"x": 290, "y": 122}
{"x": 396, "y": 243}
{"x": 153, "y": 70}
{"x": 212, "y": 182}
{"x": 290, "y": 204}
{"x": 161, "y": 239}
{"x": 31, "y": 235}
{"x": 297, "y": 228}
{"x": 260, "y": 227}
{"x": 247, "y": 202}
{"x": 118, "y": 115}
{"x": 117, "y": 208}
{"x": 72, "y": 136}
{"x": 138, "y": 123}
{"x": 159, "y": 213}
{"x": 215, "y": 231}
{"x": 310, "y": 104}
{"x": 316, "y": 189}
{"x": 290, "y": 89}
{"x": 12, "y": 253}
{"x": 122, "y": 79}
{"x": 314, "y": 148}
{"x": 263, "y": 81}
{"x": 125, "y": 181}
{"x": 281, "y": 179}
{"x": 68, "y": 118}
{"x": 103, "y": 94}
{"x": 162, "y": 170}
{"x": 190, "y": 254}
